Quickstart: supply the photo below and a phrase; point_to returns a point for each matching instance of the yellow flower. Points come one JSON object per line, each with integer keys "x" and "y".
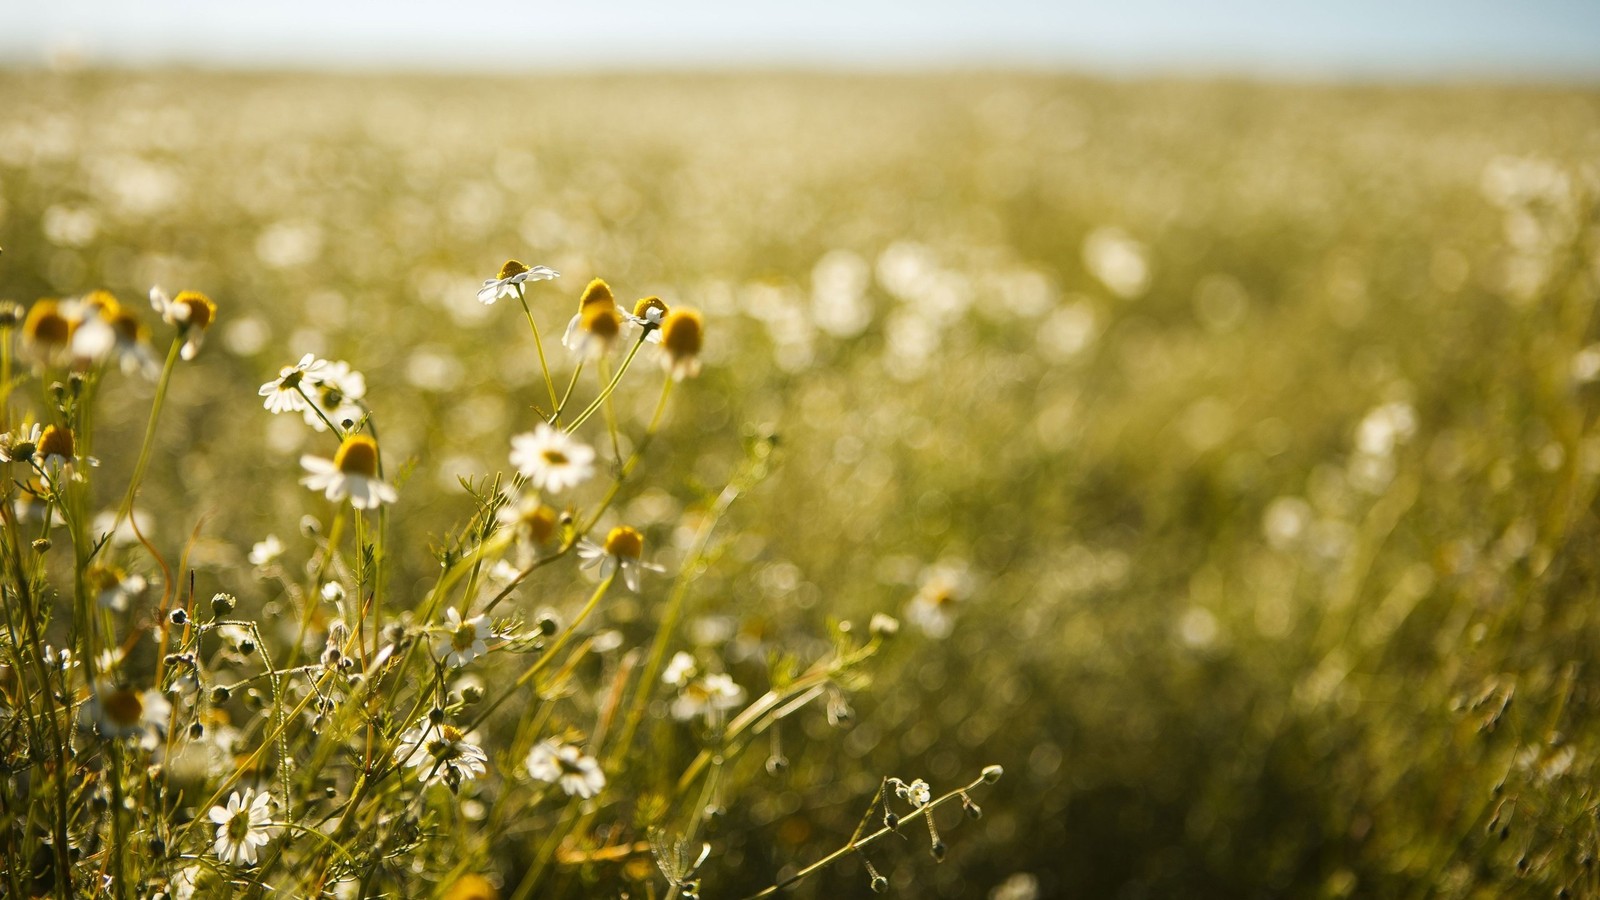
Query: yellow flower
{"x": 192, "y": 311}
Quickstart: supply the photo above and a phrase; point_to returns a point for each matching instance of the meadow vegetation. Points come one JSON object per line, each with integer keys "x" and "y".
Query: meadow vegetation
{"x": 1218, "y": 459}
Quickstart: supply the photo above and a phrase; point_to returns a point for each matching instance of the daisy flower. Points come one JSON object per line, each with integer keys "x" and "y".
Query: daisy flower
{"x": 706, "y": 697}
{"x": 47, "y": 334}
{"x": 623, "y": 549}
{"x": 353, "y": 473}
{"x": 463, "y": 639}
{"x": 334, "y": 392}
{"x": 648, "y": 314}
{"x": 192, "y": 311}
{"x": 551, "y": 460}
{"x": 679, "y": 670}
{"x": 283, "y": 393}
{"x": 108, "y": 328}
{"x": 917, "y": 793}
{"x": 512, "y": 276}
{"x": 119, "y": 712}
{"x": 681, "y": 335}
{"x": 597, "y": 296}
{"x": 557, "y": 763}
{"x": 57, "y": 451}
{"x": 530, "y": 520}
{"x": 21, "y": 444}
{"x": 113, "y": 587}
{"x": 243, "y": 826}
{"x": 440, "y": 753}
{"x": 267, "y": 551}
{"x": 933, "y": 608}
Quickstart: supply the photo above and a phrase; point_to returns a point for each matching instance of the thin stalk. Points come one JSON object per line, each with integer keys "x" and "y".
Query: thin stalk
{"x": 149, "y": 431}
{"x": 538, "y": 344}
{"x": 600, "y": 400}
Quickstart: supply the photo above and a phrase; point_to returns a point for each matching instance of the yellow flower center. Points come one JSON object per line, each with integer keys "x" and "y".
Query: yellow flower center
{"x": 46, "y": 325}
{"x": 358, "y": 455}
{"x": 554, "y": 457}
{"x": 464, "y": 637}
{"x": 56, "y": 442}
{"x": 597, "y": 293}
{"x": 201, "y": 309}
{"x": 643, "y": 307}
{"x": 681, "y": 333}
{"x": 103, "y": 303}
{"x": 472, "y": 887}
{"x": 511, "y": 269}
{"x": 239, "y": 825}
{"x": 127, "y": 326}
{"x": 625, "y": 541}
{"x": 602, "y": 321}
{"x": 122, "y": 707}
{"x": 540, "y": 523}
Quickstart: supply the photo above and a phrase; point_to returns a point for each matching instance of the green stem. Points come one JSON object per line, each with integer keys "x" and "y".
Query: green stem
{"x": 538, "y": 345}
{"x": 149, "y": 431}
{"x": 600, "y": 400}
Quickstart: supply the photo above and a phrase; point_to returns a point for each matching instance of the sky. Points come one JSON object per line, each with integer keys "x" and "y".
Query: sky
{"x": 1340, "y": 38}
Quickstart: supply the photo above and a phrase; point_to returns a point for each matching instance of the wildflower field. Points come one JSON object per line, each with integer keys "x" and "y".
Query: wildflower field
{"x": 988, "y": 485}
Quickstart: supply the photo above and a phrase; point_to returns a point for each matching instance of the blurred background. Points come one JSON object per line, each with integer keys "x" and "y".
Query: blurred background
{"x": 1233, "y": 366}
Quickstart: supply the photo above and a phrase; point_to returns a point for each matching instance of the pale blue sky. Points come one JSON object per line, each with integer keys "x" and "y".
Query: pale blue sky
{"x": 1534, "y": 38}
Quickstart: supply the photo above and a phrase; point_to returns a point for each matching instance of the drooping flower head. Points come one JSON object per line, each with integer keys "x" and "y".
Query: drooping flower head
{"x": 682, "y": 333}
{"x": 353, "y": 473}
{"x": 624, "y": 550}
{"x": 533, "y": 522}
{"x": 580, "y": 334}
{"x": 648, "y": 314}
{"x": 47, "y": 334}
{"x": 511, "y": 278}
{"x": 191, "y": 311}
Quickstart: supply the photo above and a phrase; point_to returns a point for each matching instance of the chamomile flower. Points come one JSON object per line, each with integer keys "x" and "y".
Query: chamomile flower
{"x": 596, "y": 296}
{"x": 531, "y": 521}
{"x": 353, "y": 473}
{"x": 917, "y": 793}
{"x": 597, "y": 332}
{"x": 110, "y": 329}
{"x": 244, "y": 825}
{"x": 267, "y": 551}
{"x": 120, "y": 712}
{"x": 682, "y": 332}
{"x": 463, "y": 640}
{"x": 20, "y": 444}
{"x": 933, "y": 607}
{"x": 512, "y": 276}
{"x": 679, "y": 670}
{"x": 57, "y": 451}
{"x": 192, "y": 311}
{"x": 552, "y": 460}
{"x": 47, "y": 334}
{"x": 113, "y": 587}
{"x": 334, "y": 391}
{"x": 707, "y": 697}
{"x": 563, "y": 764}
{"x": 623, "y": 549}
{"x": 648, "y": 314}
{"x": 284, "y": 392}
{"x": 440, "y": 754}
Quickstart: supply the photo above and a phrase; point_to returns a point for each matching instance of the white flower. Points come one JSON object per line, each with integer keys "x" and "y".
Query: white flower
{"x": 266, "y": 552}
{"x": 647, "y": 314}
{"x": 563, "y": 764}
{"x": 21, "y": 444}
{"x": 933, "y": 608}
{"x": 353, "y": 473}
{"x": 120, "y": 712}
{"x": 512, "y": 276}
{"x": 284, "y": 393}
{"x": 441, "y": 754}
{"x": 334, "y": 392}
{"x": 552, "y": 460}
{"x": 192, "y": 311}
{"x": 679, "y": 670}
{"x": 113, "y": 587}
{"x": 917, "y": 793}
{"x": 463, "y": 641}
{"x": 707, "y": 696}
{"x": 107, "y": 328}
{"x": 623, "y": 549}
{"x": 243, "y": 825}
{"x": 531, "y": 521}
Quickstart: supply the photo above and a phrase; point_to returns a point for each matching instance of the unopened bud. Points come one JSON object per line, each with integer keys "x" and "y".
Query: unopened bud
{"x": 178, "y": 616}
{"x": 991, "y": 774}
{"x": 41, "y": 545}
{"x": 222, "y": 604}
